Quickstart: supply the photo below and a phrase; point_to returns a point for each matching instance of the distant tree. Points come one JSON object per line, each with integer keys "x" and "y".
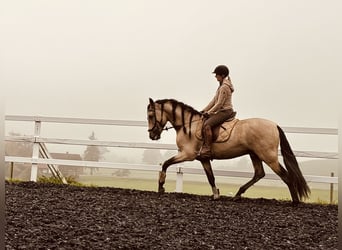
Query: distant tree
{"x": 122, "y": 173}
{"x": 152, "y": 156}
{"x": 23, "y": 149}
{"x": 94, "y": 153}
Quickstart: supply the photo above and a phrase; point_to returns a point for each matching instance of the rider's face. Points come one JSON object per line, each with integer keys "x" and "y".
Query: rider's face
{"x": 219, "y": 78}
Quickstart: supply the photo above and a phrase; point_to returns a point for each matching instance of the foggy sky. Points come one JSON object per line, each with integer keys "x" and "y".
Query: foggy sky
{"x": 104, "y": 59}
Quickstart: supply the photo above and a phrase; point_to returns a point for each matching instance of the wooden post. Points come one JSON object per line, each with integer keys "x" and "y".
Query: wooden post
{"x": 12, "y": 169}
{"x": 179, "y": 180}
{"x": 35, "y": 152}
{"x": 331, "y": 189}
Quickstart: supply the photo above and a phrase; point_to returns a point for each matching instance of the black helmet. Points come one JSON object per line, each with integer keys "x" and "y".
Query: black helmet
{"x": 221, "y": 70}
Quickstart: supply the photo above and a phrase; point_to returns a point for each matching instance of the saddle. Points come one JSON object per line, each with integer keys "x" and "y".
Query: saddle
{"x": 221, "y": 133}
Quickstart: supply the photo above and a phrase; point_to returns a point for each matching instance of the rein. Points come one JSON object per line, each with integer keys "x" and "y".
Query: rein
{"x": 171, "y": 127}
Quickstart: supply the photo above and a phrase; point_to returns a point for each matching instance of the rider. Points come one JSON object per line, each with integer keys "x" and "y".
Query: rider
{"x": 218, "y": 110}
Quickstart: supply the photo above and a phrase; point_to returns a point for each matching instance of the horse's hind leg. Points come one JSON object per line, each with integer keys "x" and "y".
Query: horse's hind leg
{"x": 258, "y": 174}
{"x": 211, "y": 178}
{"x": 284, "y": 175}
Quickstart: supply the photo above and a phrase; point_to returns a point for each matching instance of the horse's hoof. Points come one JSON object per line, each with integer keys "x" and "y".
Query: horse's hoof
{"x": 295, "y": 203}
{"x": 216, "y": 197}
{"x": 216, "y": 193}
{"x": 161, "y": 190}
{"x": 236, "y": 198}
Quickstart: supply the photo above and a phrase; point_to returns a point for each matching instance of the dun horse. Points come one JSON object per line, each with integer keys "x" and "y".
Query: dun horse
{"x": 257, "y": 137}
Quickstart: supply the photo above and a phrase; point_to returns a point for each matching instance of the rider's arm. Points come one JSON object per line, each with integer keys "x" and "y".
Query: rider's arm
{"x": 209, "y": 106}
{"x": 222, "y": 96}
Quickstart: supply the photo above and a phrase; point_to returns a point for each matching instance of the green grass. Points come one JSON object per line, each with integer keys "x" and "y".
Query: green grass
{"x": 70, "y": 180}
{"x": 13, "y": 180}
{"x": 203, "y": 188}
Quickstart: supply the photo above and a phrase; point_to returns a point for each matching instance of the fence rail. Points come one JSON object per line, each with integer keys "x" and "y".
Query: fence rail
{"x": 119, "y": 144}
{"x": 147, "y": 167}
{"x": 37, "y": 140}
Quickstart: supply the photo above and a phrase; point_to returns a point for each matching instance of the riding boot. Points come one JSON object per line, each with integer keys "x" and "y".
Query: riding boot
{"x": 205, "y": 152}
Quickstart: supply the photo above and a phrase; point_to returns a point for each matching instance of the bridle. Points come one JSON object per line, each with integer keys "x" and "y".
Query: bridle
{"x": 157, "y": 124}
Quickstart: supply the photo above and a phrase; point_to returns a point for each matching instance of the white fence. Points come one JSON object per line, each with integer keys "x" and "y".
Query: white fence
{"x": 36, "y": 139}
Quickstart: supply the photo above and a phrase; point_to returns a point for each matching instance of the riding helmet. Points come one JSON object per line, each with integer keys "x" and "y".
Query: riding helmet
{"x": 221, "y": 70}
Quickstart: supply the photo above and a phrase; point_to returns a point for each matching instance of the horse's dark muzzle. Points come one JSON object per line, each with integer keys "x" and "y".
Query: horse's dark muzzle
{"x": 154, "y": 137}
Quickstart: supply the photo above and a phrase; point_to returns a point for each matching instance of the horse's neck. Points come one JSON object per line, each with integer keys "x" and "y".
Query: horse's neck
{"x": 179, "y": 116}
{"x": 187, "y": 120}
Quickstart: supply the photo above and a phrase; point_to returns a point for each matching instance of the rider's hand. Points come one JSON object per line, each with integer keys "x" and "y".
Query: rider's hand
{"x": 204, "y": 114}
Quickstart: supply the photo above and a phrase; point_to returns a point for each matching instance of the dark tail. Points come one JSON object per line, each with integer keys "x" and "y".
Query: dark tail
{"x": 295, "y": 175}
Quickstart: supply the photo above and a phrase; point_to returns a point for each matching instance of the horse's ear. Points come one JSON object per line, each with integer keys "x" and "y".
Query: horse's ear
{"x": 151, "y": 101}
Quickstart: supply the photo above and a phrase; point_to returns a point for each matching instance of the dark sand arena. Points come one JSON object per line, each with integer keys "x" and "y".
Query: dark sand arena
{"x": 50, "y": 216}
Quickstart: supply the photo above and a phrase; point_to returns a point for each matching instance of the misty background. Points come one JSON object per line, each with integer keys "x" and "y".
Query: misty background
{"x": 104, "y": 59}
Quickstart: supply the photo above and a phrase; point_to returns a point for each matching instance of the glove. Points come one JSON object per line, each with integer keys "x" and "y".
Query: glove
{"x": 204, "y": 114}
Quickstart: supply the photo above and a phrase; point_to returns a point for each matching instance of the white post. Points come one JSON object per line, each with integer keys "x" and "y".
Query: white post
{"x": 179, "y": 180}
{"x": 35, "y": 152}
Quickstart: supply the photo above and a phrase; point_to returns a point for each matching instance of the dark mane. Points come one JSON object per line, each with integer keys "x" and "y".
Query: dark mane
{"x": 184, "y": 107}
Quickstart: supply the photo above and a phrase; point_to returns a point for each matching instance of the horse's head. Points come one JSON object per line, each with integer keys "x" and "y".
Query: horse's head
{"x": 155, "y": 119}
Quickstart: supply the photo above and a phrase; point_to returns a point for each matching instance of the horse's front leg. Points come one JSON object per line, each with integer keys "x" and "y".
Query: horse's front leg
{"x": 173, "y": 160}
{"x": 211, "y": 178}
{"x": 161, "y": 182}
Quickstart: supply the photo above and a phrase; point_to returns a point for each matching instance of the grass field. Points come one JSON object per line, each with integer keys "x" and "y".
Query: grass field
{"x": 202, "y": 187}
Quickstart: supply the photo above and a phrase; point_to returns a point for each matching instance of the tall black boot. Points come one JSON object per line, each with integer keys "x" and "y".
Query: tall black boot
{"x": 205, "y": 152}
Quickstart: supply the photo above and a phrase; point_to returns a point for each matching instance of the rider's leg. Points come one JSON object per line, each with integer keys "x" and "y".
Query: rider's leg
{"x": 211, "y": 122}
{"x": 205, "y": 152}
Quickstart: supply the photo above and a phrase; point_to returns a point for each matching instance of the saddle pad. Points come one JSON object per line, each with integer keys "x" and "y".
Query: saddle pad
{"x": 224, "y": 131}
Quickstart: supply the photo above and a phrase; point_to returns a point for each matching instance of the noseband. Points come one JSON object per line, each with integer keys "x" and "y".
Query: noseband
{"x": 157, "y": 124}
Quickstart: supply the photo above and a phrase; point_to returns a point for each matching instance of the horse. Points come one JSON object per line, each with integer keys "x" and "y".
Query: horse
{"x": 257, "y": 137}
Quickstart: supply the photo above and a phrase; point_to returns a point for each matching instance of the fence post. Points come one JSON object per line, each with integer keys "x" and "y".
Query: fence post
{"x": 12, "y": 169}
{"x": 179, "y": 180}
{"x": 35, "y": 151}
{"x": 331, "y": 189}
